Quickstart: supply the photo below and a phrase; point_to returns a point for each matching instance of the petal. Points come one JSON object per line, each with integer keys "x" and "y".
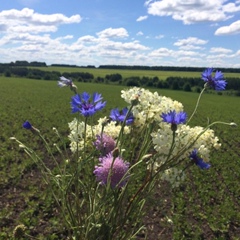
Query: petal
{"x": 97, "y": 97}
{"x": 85, "y": 96}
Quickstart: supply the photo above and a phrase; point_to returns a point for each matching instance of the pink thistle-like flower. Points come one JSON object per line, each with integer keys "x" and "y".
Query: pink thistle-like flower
{"x": 104, "y": 143}
{"x": 118, "y": 170}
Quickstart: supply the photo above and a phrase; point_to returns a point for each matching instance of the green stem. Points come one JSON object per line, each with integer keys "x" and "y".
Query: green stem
{"x": 199, "y": 97}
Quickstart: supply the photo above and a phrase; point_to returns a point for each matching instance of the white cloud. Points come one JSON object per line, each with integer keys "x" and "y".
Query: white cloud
{"x": 193, "y": 11}
{"x": 26, "y": 20}
{"x": 140, "y": 33}
{"x": 161, "y": 52}
{"x": 190, "y": 41}
{"x": 220, "y": 50}
{"x": 113, "y": 33}
{"x": 141, "y": 18}
{"x": 233, "y": 28}
{"x": 231, "y": 7}
{"x": 159, "y": 36}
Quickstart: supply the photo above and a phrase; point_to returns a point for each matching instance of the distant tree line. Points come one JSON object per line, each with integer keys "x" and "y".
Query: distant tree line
{"x": 24, "y": 64}
{"x": 127, "y": 67}
{"x": 34, "y": 73}
{"x": 174, "y": 83}
{"x": 166, "y": 68}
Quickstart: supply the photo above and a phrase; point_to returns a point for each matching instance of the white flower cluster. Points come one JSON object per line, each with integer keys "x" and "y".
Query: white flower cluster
{"x": 76, "y": 135}
{"x": 150, "y": 105}
{"x": 186, "y": 140}
{"x": 174, "y": 176}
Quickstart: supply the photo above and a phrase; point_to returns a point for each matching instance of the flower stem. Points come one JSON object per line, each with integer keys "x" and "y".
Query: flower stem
{"x": 199, "y": 97}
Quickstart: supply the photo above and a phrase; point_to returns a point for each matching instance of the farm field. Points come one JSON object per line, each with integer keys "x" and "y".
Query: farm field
{"x": 206, "y": 206}
{"x": 98, "y": 72}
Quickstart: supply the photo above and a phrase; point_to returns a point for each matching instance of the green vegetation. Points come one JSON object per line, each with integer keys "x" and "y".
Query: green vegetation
{"x": 206, "y": 206}
{"x": 126, "y": 73}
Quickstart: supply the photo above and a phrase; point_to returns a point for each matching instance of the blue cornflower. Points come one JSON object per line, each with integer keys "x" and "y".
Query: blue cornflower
{"x": 118, "y": 116}
{"x": 27, "y": 125}
{"x": 81, "y": 103}
{"x": 174, "y": 118}
{"x": 198, "y": 161}
{"x": 217, "y": 82}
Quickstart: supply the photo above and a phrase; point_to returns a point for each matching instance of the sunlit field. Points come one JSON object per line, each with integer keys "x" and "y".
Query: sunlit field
{"x": 206, "y": 206}
{"x": 99, "y": 72}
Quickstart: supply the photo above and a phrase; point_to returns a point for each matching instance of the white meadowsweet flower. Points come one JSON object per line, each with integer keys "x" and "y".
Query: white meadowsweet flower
{"x": 77, "y": 129}
{"x": 150, "y": 105}
{"x": 186, "y": 139}
{"x": 174, "y": 176}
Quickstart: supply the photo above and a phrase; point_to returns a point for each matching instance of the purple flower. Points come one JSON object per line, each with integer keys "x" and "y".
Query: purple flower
{"x": 105, "y": 143}
{"x": 198, "y": 161}
{"x": 217, "y": 82}
{"x": 27, "y": 125}
{"x": 174, "y": 118}
{"x": 81, "y": 103}
{"x": 118, "y": 116}
{"x": 118, "y": 171}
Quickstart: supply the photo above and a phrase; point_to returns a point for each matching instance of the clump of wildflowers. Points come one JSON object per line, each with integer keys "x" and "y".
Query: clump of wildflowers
{"x": 160, "y": 148}
{"x": 217, "y": 82}
{"x": 81, "y": 103}
{"x": 113, "y": 169}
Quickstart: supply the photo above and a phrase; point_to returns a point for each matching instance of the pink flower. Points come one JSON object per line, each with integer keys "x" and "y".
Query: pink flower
{"x": 105, "y": 144}
{"x": 118, "y": 170}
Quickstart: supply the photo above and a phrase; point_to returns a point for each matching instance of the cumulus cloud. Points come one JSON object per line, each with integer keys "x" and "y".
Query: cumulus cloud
{"x": 233, "y": 28}
{"x": 193, "y": 11}
{"x": 220, "y": 50}
{"x": 141, "y": 18}
{"x": 159, "y": 36}
{"x": 113, "y": 33}
{"x": 26, "y": 20}
{"x": 140, "y": 33}
{"x": 190, "y": 41}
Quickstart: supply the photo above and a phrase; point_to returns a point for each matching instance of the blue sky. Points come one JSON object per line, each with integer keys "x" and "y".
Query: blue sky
{"x": 200, "y": 33}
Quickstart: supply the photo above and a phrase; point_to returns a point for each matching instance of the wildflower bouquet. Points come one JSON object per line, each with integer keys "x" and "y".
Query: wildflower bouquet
{"x": 112, "y": 165}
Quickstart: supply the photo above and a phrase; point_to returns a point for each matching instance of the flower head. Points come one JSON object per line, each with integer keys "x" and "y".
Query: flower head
{"x": 198, "y": 161}
{"x": 116, "y": 115}
{"x": 217, "y": 82}
{"x": 27, "y": 125}
{"x": 118, "y": 170}
{"x": 19, "y": 231}
{"x": 105, "y": 143}
{"x": 174, "y": 118}
{"x": 81, "y": 103}
{"x": 64, "y": 82}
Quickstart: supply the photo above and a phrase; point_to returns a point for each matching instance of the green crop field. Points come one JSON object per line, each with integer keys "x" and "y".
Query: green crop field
{"x": 206, "y": 206}
{"x": 98, "y": 72}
